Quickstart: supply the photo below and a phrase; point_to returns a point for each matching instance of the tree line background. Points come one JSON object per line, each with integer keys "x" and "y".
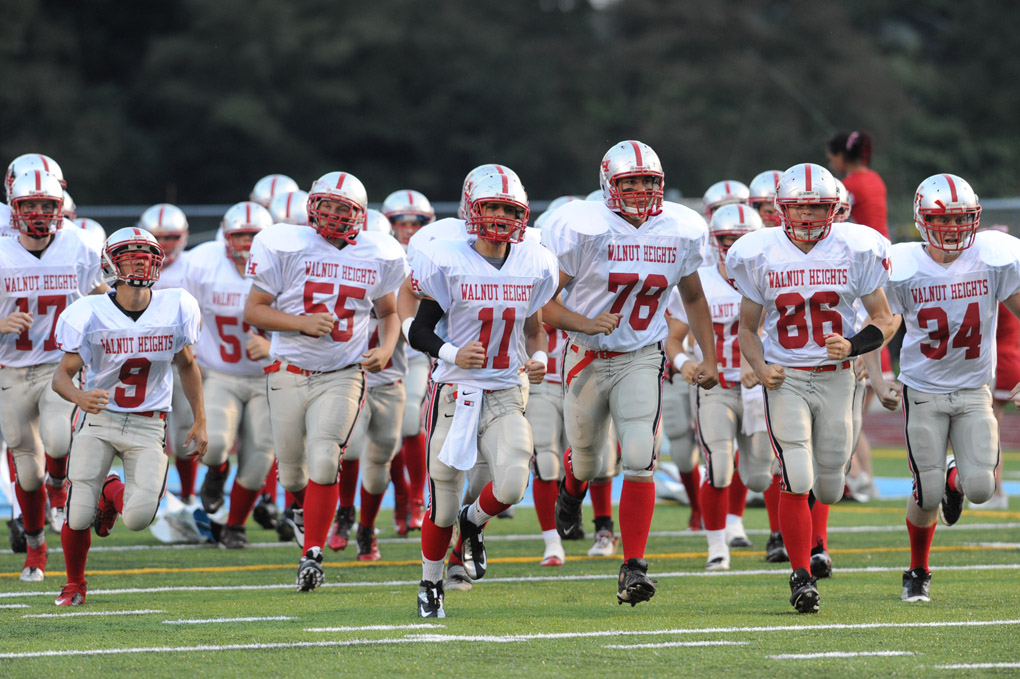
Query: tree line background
{"x": 191, "y": 101}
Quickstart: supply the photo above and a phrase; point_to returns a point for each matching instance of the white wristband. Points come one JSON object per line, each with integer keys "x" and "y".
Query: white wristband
{"x": 448, "y": 353}
{"x": 405, "y": 328}
{"x": 679, "y": 360}
{"x": 541, "y": 357}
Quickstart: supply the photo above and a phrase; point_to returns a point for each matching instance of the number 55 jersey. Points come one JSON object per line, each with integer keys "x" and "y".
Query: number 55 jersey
{"x": 807, "y": 295}
{"x": 130, "y": 359}
{"x": 622, "y": 269}
{"x": 950, "y": 311}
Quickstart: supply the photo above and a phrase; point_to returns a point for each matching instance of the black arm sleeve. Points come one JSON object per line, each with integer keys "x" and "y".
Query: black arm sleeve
{"x": 868, "y": 339}
{"x": 423, "y": 335}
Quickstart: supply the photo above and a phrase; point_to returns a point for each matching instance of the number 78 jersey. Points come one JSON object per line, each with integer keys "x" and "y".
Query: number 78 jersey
{"x": 807, "y": 295}
{"x": 621, "y": 269}
{"x": 951, "y": 312}
{"x": 484, "y": 304}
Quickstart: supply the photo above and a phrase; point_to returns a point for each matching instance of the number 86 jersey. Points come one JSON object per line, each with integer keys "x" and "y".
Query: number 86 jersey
{"x": 622, "y": 269}
{"x": 485, "y": 304}
{"x": 807, "y": 295}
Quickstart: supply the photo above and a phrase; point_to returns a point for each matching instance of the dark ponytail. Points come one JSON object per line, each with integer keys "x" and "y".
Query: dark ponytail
{"x": 855, "y": 146}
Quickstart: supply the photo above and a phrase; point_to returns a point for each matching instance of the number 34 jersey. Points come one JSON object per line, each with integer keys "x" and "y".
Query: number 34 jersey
{"x": 622, "y": 269}
{"x": 950, "y": 312}
{"x": 484, "y": 304}
{"x": 308, "y": 275}
{"x": 130, "y": 359}
{"x": 221, "y": 293}
{"x": 807, "y": 295}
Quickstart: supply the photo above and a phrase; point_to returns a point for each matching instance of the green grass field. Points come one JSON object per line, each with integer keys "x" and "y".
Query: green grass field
{"x": 162, "y": 611}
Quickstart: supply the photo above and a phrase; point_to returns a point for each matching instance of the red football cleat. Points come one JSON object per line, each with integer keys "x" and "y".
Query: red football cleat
{"x": 106, "y": 513}
{"x": 72, "y": 595}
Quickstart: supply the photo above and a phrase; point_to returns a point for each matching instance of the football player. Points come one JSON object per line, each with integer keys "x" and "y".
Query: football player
{"x": 271, "y": 186}
{"x": 488, "y": 289}
{"x": 45, "y": 269}
{"x": 233, "y": 356}
{"x": 126, "y": 342}
{"x": 289, "y": 208}
{"x": 618, "y": 262}
{"x": 314, "y": 288}
{"x": 726, "y": 192}
{"x": 806, "y": 278}
{"x": 947, "y": 288}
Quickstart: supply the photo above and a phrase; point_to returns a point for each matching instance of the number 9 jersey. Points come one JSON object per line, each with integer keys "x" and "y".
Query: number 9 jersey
{"x": 130, "y": 359}
{"x": 807, "y": 295}
{"x": 622, "y": 269}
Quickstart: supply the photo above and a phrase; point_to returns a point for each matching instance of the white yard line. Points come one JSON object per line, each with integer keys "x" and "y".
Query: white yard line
{"x": 82, "y": 614}
{"x": 530, "y": 578}
{"x": 981, "y": 666}
{"x": 838, "y": 654}
{"x": 204, "y": 621}
{"x": 678, "y": 644}
{"x": 14, "y": 606}
{"x": 375, "y": 628}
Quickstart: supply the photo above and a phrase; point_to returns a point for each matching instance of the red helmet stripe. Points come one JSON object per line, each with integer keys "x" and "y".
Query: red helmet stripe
{"x": 247, "y": 213}
{"x": 741, "y": 208}
{"x": 637, "y": 153}
{"x": 410, "y": 198}
{"x": 159, "y": 219}
{"x": 952, "y": 188}
{"x": 726, "y": 186}
{"x": 42, "y": 159}
{"x": 290, "y": 197}
{"x": 775, "y": 178}
{"x": 807, "y": 177}
{"x": 38, "y": 180}
{"x": 499, "y": 169}
{"x": 340, "y": 181}
{"x": 506, "y": 184}
{"x": 138, "y": 233}
{"x": 272, "y": 186}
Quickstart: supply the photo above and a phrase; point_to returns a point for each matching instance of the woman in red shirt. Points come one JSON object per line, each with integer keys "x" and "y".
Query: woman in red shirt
{"x": 849, "y": 156}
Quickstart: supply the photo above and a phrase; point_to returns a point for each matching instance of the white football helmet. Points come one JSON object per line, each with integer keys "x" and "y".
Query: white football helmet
{"x": 407, "y": 211}
{"x": 290, "y": 208}
{"x": 271, "y": 185}
{"x": 498, "y": 188}
{"x": 70, "y": 208}
{"x": 631, "y": 159}
{"x": 554, "y": 204}
{"x": 27, "y": 163}
{"x": 947, "y": 212}
{"x": 732, "y": 220}
{"x": 240, "y": 219}
{"x": 843, "y": 209}
{"x": 726, "y": 192}
{"x": 28, "y": 214}
{"x": 343, "y": 188}
{"x": 473, "y": 176}
{"x": 807, "y": 184}
{"x": 762, "y": 193}
{"x": 595, "y": 195}
{"x": 376, "y": 221}
{"x": 139, "y": 250}
{"x": 170, "y": 227}
{"x": 94, "y": 233}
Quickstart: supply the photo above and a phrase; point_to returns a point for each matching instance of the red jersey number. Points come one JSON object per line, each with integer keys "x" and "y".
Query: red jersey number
{"x": 646, "y": 301}
{"x": 230, "y": 344}
{"x": 345, "y": 316}
{"x": 501, "y": 361}
{"x": 135, "y": 374}
{"x": 796, "y": 315}
{"x": 967, "y": 337}
{"x": 44, "y": 304}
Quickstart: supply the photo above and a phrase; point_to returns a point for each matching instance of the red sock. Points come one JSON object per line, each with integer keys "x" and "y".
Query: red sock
{"x": 76, "y": 545}
{"x": 225, "y": 467}
{"x": 435, "y": 541}
{"x": 820, "y": 524}
{"x": 488, "y": 503}
{"x": 545, "y": 493}
{"x": 33, "y": 508}
{"x": 291, "y": 499}
{"x": 114, "y": 492}
{"x": 320, "y": 505}
{"x": 398, "y": 479}
{"x": 242, "y": 501}
{"x": 458, "y": 551}
{"x": 349, "y": 482}
{"x": 692, "y": 483}
{"x": 369, "y": 507}
{"x": 272, "y": 478}
{"x": 637, "y": 503}
{"x": 771, "y": 495}
{"x": 920, "y": 544}
{"x": 713, "y": 506}
{"x": 737, "y": 499}
{"x": 574, "y": 486}
{"x": 602, "y": 498}
{"x": 954, "y": 480}
{"x": 187, "y": 469}
{"x": 795, "y": 522}
{"x": 56, "y": 467}
{"x": 414, "y": 460}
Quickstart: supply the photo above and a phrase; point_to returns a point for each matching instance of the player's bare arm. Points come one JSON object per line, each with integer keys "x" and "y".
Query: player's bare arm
{"x": 259, "y": 311}
{"x": 257, "y": 346}
{"x": 772, "y": 376}
{"x": 536, "y": 343}
{"x": 558, "y": 316}
{"x": 191, "y": 382}
{"x": 92, "y": 401}
{"x": 375, "y": 359}
{"x": 700, "y": 317}
{"x": 680, "y": 361}
{"x": 872, "y": 336}
{"x": 1013, "y": 304}
{"x": 16, "y": 323}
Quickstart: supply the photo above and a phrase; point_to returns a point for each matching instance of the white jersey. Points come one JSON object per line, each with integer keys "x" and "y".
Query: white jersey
{"x": 44, "y": 287}
{"x": 452, "y": 228}
{"x": 173, "y": 276}
{"x": 308, "y": 275}
{"x": 950, "y": 311}
{"x": 5, "y": 221}
{"x": 132, "y": 360}
{"x": 618, "y": 268}
{"x": 484, "y": 303}
{"x": 221, "y": 292}
{"x": 557, "y": 344}
{"x": 808, "y": 295}
{"x": 724, "y": 303}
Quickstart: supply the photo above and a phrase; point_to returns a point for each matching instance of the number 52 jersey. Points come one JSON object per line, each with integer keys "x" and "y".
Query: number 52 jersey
{"x": 130, "y": 359}
{"x": 951, "y": 312}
